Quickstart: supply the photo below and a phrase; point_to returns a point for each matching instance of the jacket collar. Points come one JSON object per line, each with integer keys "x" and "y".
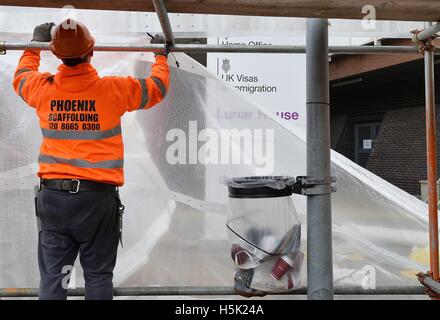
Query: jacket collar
{"x": 77, "y": 78}
{"x": 79, "y": 69}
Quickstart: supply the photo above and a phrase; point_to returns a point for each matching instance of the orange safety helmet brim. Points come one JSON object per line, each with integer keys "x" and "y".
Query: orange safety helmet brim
{"x": 71, "y": 39}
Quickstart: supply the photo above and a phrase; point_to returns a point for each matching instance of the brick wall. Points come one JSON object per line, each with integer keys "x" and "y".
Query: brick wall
{"x": 337, "y": 129}
{"x": 346, "y": 143}
{"x": 399, "y": 152}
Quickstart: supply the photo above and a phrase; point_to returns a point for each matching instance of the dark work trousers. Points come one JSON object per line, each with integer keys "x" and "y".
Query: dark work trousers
{"x": 84, "y": 223}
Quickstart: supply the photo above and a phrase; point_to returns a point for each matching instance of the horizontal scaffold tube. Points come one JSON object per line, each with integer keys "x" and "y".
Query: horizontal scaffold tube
{"x": 215, "y": 291}
{"x": 431, "y": 284}
{"x": 428, "y": 33}
{"x": 224, "y": 48}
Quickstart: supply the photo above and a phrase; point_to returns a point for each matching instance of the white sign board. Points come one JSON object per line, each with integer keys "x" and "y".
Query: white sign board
{"x": 275, "y": 82}
{"x": 367, "y": 143}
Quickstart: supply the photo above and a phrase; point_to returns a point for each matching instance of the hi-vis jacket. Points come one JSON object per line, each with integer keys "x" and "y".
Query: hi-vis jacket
{"x": 80, "y": 115}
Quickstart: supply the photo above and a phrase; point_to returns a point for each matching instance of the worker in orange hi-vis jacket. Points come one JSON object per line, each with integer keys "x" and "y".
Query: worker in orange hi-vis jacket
{"x": 81, "y": 156}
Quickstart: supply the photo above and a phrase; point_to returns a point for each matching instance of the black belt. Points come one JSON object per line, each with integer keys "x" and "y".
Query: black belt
{"x": 75, "y": 185}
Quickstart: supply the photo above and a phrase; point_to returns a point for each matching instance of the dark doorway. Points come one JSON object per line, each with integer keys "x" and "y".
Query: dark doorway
{"x": 365, "y": 134}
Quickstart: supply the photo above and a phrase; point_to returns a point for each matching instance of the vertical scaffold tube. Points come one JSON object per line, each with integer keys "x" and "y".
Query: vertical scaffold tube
{"x": 164, "y": 21}
{"x": 431, "y": 161}
{"x": 319, "y": 219}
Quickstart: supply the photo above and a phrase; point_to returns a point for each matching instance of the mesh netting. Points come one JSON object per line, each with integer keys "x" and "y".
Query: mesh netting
{"x": 175, "y": 196}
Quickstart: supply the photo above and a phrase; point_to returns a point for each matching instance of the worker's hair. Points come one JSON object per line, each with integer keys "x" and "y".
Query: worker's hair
{"x": 75, "y": 61}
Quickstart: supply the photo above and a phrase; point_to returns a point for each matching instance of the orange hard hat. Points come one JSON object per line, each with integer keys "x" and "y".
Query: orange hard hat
{"x": 71, "y": 39}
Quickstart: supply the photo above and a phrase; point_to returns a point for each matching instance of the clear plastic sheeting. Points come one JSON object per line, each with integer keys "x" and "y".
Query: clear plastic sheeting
{"x": 176, "y": 203}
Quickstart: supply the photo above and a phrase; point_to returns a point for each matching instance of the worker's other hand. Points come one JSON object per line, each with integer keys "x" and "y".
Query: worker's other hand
{"x": 158, "y": 39}
{"x": 42, "y": 32}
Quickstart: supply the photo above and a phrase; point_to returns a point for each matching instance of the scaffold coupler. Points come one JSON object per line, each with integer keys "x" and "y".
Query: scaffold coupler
{"x": 310, "y": 186}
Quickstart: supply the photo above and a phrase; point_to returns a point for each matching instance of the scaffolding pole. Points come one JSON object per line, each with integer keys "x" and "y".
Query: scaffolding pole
{"x": 427, "y": 33}
{"x": 319, "y": 219}
{"x": 319, "y": 244}
{"x": 431, "y": 159}
{"x": 164, "y": 20}
{"x": 214, "y": 291}
{"x": 213, "y": 48}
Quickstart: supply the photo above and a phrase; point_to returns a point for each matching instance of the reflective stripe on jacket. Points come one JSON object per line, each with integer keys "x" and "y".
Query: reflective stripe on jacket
{"x": 80, "y": 115}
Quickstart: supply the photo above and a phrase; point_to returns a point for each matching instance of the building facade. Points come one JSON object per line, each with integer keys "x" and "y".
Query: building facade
{"x": 378, "y": 114}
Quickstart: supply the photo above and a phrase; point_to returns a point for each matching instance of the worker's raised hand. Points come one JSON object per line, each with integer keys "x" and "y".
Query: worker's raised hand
{"x": 158, "y": 39}
{"x": 42, "y": 32}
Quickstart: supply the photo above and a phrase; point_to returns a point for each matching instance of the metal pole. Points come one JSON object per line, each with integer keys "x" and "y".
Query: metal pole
{"x": 429, "y": 31}
{"x": 215, "y": 291}
{"x": 164, "y": 20}
{"x": 431, "y": 161}
{"x": 319, "y": 219}
{"x": 434, "y": 286}
{"x": 126, "y": 47}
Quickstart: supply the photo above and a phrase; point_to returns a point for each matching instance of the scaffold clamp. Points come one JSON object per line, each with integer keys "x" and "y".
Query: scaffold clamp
{"x": 432, "y": 287}
{"x": 425, "y": 45}
{"x": 311, "y": 186}
{"x": 2, "y": 48}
